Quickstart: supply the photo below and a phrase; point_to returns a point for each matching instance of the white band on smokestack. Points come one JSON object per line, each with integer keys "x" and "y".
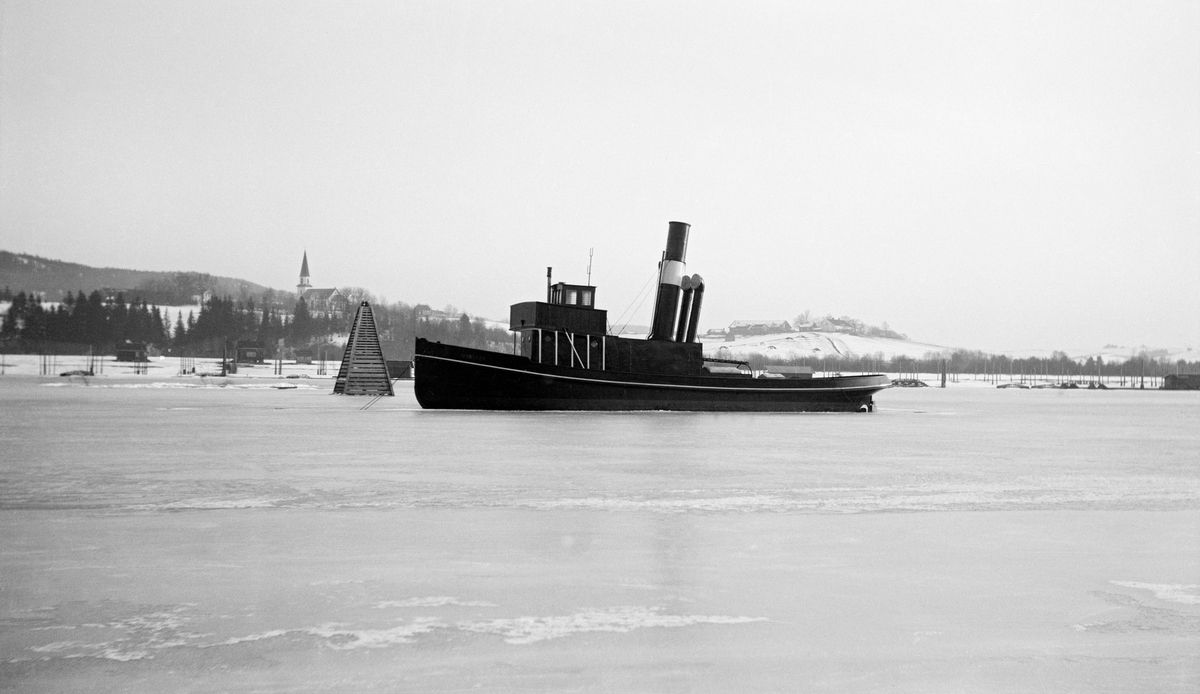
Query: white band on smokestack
{"x": 672, "y": 272}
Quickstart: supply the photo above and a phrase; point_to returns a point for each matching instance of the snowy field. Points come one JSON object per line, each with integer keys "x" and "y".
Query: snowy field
{"x": 165, "y": 533}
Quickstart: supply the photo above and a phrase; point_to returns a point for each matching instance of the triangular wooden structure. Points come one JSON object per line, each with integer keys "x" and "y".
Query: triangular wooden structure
{"x": 364, "y": 370}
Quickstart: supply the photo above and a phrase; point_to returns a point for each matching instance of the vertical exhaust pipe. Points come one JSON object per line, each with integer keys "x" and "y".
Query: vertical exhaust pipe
{"x": 670, "y": 274}
{"x": 697, "y": 299}
{"x": 685, "y": 307}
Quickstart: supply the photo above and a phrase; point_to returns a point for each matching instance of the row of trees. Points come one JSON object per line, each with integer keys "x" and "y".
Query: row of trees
{"x": 182, "y": 288}
{"x": 90, "y": 322}
{"x": 1058, "y": 364}
{"x": 400, "y": 324}
{"x": 82, "y": 320}
{"x": 224, "y": 320}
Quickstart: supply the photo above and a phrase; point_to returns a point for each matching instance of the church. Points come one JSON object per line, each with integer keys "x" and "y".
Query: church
{"x": 321, "y": 301}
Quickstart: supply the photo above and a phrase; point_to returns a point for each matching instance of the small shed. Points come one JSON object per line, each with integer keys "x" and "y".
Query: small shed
{"x": 1181, "y": 382}
{"x": 402, "y": 368}
{"x": 251, "y": 352}
{"x": 131, "y": 351}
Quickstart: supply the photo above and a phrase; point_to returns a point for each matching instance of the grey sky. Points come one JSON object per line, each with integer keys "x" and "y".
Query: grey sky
{"x": 993, "y": 175}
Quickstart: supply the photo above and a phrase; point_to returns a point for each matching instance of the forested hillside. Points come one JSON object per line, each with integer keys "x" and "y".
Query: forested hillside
{"x": 55, "y": 280}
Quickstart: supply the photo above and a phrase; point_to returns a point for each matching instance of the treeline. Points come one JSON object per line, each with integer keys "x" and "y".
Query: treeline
{"x": 178, "y": 289}
{"x": 90, "y": 322}
{"x": 400, "y": 324}
{"x": 81, "y": 320}
{"x": 1058, "y": 364}
{"x": 223, "y": 322}
{"x": 81, "y": 323}
{"x": 183, "y": 288}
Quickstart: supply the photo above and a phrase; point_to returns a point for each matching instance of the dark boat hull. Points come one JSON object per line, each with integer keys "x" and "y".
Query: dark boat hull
{"x": 451, "y": 377}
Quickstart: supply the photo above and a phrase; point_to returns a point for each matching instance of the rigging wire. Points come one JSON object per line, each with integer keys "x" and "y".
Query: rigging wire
{"x": 635, "y": 310}
{"x": 374, "y": 400}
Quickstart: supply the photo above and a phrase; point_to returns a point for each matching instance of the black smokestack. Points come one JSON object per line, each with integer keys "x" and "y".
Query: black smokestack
{"x": 670, "y": 274}
{"x": 685, "y": 307}
{"x": 697, "y": 299}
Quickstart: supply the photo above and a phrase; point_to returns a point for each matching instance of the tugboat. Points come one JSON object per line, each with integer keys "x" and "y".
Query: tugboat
{"x": 567, "y": 360}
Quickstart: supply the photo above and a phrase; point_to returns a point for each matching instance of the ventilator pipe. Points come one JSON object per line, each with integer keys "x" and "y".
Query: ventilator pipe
{"x": 697, "y": 298}
{"x": 670, "y": 274}
{"x": 685, "y": 307}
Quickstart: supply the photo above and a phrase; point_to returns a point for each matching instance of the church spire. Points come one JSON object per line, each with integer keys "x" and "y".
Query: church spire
{"x": 304, "y": 282}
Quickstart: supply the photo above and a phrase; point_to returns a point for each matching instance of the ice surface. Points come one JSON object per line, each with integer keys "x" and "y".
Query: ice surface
{"x": 252, "y": 539}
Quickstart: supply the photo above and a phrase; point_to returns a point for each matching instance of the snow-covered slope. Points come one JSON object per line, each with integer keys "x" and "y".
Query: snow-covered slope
{"x": 821, "y": 344}
{"x": 839, "y": 345}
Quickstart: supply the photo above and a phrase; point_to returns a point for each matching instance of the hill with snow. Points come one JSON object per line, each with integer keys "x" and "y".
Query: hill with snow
{"x": 809, "y": 345}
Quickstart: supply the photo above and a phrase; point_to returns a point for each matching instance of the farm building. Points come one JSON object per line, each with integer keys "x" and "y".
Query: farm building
{"x": 757, "y": 327}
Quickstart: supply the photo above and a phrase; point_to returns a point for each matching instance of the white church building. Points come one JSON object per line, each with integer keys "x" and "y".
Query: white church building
{"x": 327, "y": 301}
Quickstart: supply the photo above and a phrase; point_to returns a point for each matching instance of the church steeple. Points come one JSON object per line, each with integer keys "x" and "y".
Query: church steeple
{"x": 304, "y": 283}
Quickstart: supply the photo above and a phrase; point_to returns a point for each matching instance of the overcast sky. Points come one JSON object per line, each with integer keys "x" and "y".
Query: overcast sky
{"x": 994, "y": 175}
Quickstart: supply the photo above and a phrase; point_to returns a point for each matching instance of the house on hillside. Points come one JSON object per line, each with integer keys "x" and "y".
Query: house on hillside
{"x": 834, "y": 325}
{"x": 740, "y": 328}
{"x": 109, "y": 295}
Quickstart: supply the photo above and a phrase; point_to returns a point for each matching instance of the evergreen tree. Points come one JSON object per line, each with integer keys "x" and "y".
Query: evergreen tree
{"x": 156, "y": 331}
{"x": 180, "y": 331}
{"x": 301, "y": 328}
{"x": 117, "y": 323}
{"x": 96, "y": 325}
{"x": 15, "y": 317}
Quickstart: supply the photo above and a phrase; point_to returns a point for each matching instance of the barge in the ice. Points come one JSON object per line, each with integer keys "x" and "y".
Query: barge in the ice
{"x": 568, "y": 361}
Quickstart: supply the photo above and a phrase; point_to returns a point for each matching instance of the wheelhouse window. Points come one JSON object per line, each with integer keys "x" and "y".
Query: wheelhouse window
{"x": 573, "y": 295}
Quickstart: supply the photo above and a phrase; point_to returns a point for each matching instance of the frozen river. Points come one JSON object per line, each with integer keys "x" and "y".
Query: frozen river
{"x": 248, "y": 539}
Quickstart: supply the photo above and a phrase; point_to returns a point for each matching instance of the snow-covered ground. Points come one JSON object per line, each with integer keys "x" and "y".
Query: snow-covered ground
{"x": 248, "y": 539}
{"x": 165, "y": 370}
